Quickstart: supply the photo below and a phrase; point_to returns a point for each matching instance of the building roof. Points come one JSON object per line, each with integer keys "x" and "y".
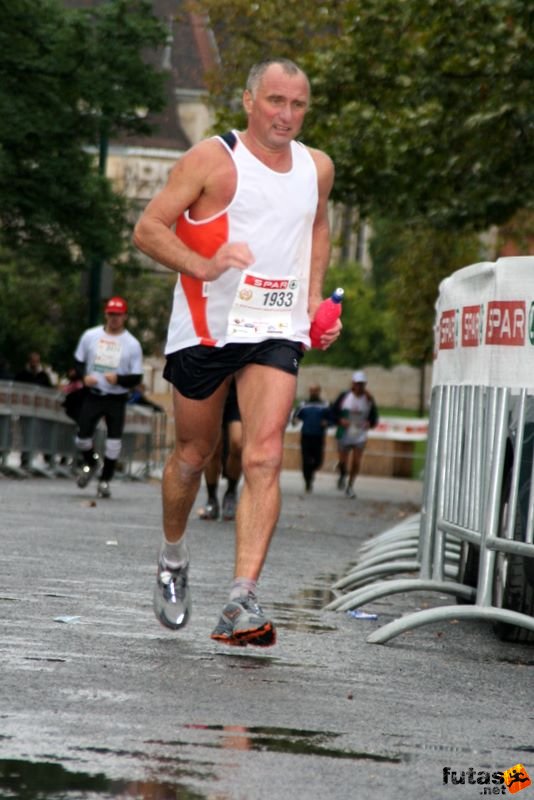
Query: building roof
{"x": 190, "y": 52}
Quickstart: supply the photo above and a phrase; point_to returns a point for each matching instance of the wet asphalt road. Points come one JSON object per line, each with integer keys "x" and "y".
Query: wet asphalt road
{"x": 107, "y": 703}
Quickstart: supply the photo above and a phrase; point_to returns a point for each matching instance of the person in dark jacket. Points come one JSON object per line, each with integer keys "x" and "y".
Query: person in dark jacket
{"x": 32, "y": 372}
{"x": 314, "y": 414}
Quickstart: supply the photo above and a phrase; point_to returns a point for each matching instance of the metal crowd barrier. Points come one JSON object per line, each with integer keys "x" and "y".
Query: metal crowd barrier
{"x": 475, "y": 501}
{"x": 37, "y": 437}
{"x": 474, "y": 537}
{"x": 415, "y": 546}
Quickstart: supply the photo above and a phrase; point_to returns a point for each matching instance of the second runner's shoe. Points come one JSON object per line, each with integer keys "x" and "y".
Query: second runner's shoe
{"x": 103, "y": 489}
{"x": 229, "y": 506}
{"x": 172, "y": 596}
{"x": 210, "y": 511}
{"x": 87, "y": 471}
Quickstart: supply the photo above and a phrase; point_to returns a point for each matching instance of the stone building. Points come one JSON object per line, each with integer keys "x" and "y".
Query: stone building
{"x": 139, "y": 165}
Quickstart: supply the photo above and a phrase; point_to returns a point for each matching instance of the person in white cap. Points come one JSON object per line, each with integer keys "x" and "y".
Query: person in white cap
{"x": 109, "y": 360}
{"x": 354, "y": 412}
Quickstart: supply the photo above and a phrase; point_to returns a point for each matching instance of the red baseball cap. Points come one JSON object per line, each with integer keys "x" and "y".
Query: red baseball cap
{"x": 116, "y": 305}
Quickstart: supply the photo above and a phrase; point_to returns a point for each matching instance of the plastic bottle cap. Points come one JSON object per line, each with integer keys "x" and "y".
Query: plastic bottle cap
{"x": 337, "y": 295}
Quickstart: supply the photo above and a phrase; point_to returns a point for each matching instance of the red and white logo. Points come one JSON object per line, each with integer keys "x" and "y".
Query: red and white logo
{"x": 471, "y": 326}
{"x": 267, "y": 283}
{"x": 506, "y": 322}
{"x": 447, "y": 324}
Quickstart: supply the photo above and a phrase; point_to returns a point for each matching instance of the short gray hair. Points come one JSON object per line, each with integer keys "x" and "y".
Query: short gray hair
{"x": 257, "y": 71}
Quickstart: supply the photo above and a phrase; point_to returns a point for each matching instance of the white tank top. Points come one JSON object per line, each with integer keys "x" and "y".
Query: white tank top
{"x": 273, "y": 212}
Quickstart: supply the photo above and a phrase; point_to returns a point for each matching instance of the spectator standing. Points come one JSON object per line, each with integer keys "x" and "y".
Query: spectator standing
{"x": 33, "y": 372}
{"x": 109, "y": 360}
{"x": 355, "y": 413}
{"x": 314, "y": 415}
{"x": 5, "y": 370}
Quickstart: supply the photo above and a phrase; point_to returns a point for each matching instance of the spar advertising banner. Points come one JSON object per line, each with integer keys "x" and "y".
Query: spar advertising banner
{"x": 484, "y": 328}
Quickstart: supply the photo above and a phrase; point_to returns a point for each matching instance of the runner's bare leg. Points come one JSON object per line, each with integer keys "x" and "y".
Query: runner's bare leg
{"x": 197, "y": 431}
{"x": 266, "y": 396}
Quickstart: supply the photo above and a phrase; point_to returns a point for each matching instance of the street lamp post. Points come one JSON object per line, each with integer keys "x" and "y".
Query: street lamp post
{"x": 95, "y": 273}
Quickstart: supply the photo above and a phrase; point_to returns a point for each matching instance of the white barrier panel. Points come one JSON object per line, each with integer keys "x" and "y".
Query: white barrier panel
{"x": 402, "y": 429}
{"x": 484, "y": 334}
{"x": 477, "y": 519}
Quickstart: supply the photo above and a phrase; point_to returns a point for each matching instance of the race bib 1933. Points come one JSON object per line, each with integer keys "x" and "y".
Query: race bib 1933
{"x": 262, "y": 306}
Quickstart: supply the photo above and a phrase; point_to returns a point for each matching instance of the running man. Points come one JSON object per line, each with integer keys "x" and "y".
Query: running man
{"x": 355, "y": 412}
{"x": 251, "y": 246}
{"x": 109, "y": 360}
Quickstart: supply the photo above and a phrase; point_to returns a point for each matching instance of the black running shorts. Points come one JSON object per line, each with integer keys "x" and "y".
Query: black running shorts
{"x": 111, "y": 407}
{"x": 199, "y": 370}
{"x": 231, "y": 411}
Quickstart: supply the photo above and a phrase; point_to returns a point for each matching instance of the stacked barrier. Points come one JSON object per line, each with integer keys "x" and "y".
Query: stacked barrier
{"x": 474, "y": 536}
{"x": 33, "y": 421}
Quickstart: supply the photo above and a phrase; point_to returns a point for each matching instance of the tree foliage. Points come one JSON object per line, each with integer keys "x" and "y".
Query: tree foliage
{"x": 423, "y": 258}
{"x": 424, "y": 105}
{"x": 69, "y": 80}
{"x": 150, "y": 296}
{"x": 41, "y": 310}
{"x": 367, "y": 336}
{"x": 66, "y": 78}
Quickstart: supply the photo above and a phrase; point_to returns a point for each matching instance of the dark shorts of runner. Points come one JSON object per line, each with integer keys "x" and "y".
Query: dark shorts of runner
{"x": 199, "y": 370}
{"x": 231, "y": 411}
{"x": 111, "y": 407}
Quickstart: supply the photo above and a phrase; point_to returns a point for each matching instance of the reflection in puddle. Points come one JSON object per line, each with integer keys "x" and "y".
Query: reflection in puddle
{"x": 521, "y": 662}
{"x": 49, "y": 780}
{"x": 300, "y": 615}
{"x": 431, "y": 747}
{"x": 182, "y": 766}
{"x": 291, "y": 741}
{"x": 26, "y": 780}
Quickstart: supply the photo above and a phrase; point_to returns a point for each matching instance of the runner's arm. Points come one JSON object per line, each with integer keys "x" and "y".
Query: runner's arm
{"x": 153, "y": 233}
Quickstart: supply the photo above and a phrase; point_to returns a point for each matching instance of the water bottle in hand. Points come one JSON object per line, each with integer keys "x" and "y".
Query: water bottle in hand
{"x": 325, "y": 317}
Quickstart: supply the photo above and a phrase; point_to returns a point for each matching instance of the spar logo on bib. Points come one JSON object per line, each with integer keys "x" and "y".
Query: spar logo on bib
{"x": 269, "y": 283}
{"x": 506, "y": 322}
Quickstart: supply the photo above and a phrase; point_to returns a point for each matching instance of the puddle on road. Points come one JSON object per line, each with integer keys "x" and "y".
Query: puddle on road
{"x": 301, "y": 613}
{"x": 50, "y": 780}
{"x": 290, "y": 741}
{"x": 45, "y": 780}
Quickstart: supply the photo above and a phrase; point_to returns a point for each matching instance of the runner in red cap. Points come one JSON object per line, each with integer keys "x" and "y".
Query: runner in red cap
{"x": 116, "y": 305}
{"x": 110, "y": 362}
